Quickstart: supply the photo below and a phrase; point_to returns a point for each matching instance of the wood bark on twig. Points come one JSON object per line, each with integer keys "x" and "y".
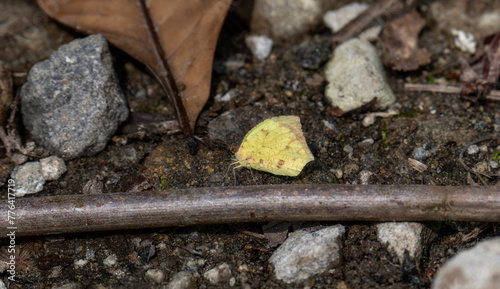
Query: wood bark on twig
{"x": 216, "y": 205}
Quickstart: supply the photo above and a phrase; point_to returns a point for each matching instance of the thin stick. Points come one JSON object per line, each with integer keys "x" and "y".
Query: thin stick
{"x": 311, "y": 202}
{"x": 493, "y": 96}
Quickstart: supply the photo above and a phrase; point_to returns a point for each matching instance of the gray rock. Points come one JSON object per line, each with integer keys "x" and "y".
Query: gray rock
{"x": 110, "y": 261}
{"x": 72, "y": 103}
{"x": 219, "y": 274}
{"x": 284, "y": 18}
{"x": 478, "y": 267}
{"x": 403, "y": 236}
{"x": 52, "y": 168}
{"x": 355, "y": 77}
{"x": 260, "y": 45}
{"x": 28, "y": 178}
{"x": 305, "y": 254}
{"x": 182, "y": 280}
{"x": 155, "y": 275}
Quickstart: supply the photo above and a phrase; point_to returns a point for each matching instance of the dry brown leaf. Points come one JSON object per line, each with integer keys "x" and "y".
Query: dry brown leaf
{"x": 400, "y": 43}
{"x": 481, "y": 71}
{"x": 182, "y": 33}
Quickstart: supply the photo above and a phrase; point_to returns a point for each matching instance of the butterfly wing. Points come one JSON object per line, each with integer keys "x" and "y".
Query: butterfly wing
{"x": 277, "y": 146}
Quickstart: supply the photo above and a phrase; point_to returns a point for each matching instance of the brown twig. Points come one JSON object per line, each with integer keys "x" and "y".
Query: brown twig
{"x": 494, "y": 95}
{"x": 385, "y": 8}
{"x": 118, "y": 211}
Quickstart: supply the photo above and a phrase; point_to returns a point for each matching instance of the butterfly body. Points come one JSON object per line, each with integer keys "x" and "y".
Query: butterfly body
{"x": 277, "y": 146}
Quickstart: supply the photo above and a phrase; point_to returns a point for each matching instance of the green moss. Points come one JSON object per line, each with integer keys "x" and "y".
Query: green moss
{"x": 164, "y": 184}
{"x": 496, "y": 156}
{"x": 384, "y": 139}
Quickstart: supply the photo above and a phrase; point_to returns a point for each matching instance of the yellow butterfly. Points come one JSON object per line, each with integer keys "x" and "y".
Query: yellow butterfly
{"x": 277, "y": 146}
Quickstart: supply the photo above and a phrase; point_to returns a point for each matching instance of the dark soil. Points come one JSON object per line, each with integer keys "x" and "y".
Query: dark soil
{"x": 288, "y": 83}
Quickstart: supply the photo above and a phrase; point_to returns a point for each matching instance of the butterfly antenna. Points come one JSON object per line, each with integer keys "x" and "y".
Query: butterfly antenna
{"x": 253, "y": 177}
{"x": 236, "y": 165}
{"x": 225, "y": 174}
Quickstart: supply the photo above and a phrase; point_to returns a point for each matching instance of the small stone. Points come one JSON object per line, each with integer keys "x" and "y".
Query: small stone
{"x": 285, "y": 19}
{"x": 155, "y": 275}
{"x": 493, "y": 165}
{"x": 465, "y": 41}
{"x": 235, "y": 63}
{"x": 4, "y": 266}
{"x": 90, "y": 254}
{"x": 337, "y": 19}
{"x": 55, "y": 272}
{"x": 364, "y": 177}
{"x": 482, "y": 167}
{"x": 403, "y": 236}
{"x": 80, "y": 263}
{"x": 52, "y": 168}
{"x": 366, "y": 143}
{"x": 110, "y": 261}
{"x": 182, "y": 280}
{"x": 420, "y": 153}
{"x": 355, "y": 76}
{"x": 260, "y": 45}
{"x": 226, "y": 97}
{"x": 306, "y": 254}
{"x": 348, "y": 149}
{"x": 338, "y": 173}
{"x": 19, "y": 159}
{"x": 72, "y": 103}
{"x": 478, "y": 267}
{"x": 473, "y": 149}
{"x": 28, "y": 178}
{"x": 351, "y": 169}
{"x": 219, "y": 274}
{"x": 489, "y": 21}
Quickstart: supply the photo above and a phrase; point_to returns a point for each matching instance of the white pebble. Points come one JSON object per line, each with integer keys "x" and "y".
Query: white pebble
{"x": 464, "y": 41}
{"x": 260, "y": 45}
{"x": 473, "y": 149}
{"x": 336, "y": 19}
{"x": 52, "y": 168}
{"x": 155, "y": 275}
{"x": 110, "y": 260}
